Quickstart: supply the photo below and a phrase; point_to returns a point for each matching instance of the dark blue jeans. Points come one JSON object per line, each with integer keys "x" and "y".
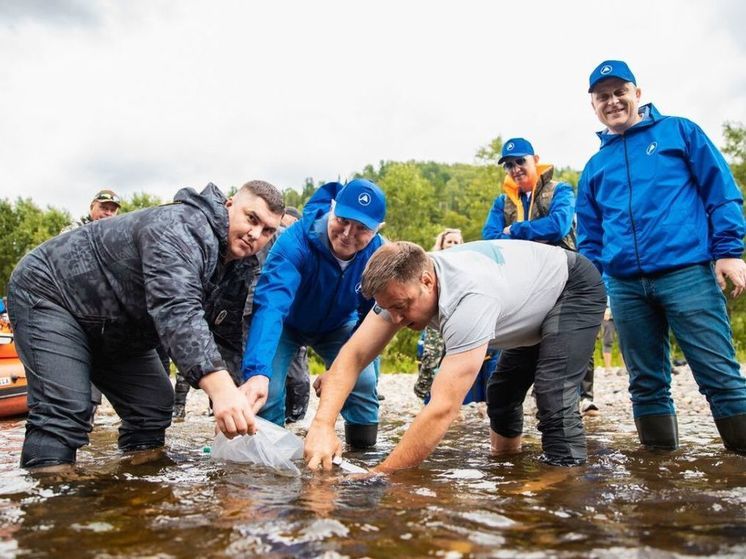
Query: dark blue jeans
{"x": 361, "y": 406}
{"x": 690, "y": 303}
{"x": 61, "y": 360}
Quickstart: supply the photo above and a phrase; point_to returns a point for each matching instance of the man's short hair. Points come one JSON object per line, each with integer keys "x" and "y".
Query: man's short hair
{"x": 267, "y": 192}
{"x": 400, "y": 261}
{"x": 292, "y": 211}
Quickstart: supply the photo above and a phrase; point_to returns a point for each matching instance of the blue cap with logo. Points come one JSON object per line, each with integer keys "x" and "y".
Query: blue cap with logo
{"x": 362, "y": 201}
{"x": 610, "y": 69}
{"x": 515, "y": 147}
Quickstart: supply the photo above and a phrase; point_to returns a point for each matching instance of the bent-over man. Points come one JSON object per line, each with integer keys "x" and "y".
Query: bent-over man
{"x": 541, "y": 304}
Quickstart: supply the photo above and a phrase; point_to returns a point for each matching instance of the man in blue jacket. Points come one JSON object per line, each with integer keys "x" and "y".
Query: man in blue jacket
{"x": 532, "y": 207}
{"x": 309, "y": 295}
{"x": 661, "y": 216}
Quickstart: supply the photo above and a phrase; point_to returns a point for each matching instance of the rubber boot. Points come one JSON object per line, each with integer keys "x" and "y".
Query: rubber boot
{"x": 361, "y": 436}
{"x": 658, "y": 431}
{"x": 733, "y": 432}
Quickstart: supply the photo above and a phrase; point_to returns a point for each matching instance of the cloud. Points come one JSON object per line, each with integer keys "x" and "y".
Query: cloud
{"x": 53, "y": 12}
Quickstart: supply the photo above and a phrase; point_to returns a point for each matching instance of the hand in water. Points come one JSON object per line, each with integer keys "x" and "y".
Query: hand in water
{"x": 321, "y": 447}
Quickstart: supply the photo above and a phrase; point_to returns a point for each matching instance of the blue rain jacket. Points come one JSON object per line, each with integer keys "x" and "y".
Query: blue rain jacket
{"x": 657, "y": 198}
{"x": 303, "y": 286}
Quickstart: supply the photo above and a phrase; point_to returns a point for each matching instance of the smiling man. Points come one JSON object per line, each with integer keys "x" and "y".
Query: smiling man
{"x": 309, "y": 295}
{"x": 660, "y": 214}
{"x": 93, "y": 304}
{"x": 541, "y": 304}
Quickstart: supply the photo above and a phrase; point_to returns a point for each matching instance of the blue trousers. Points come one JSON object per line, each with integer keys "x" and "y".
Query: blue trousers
{"x": 361, "y": 406}
{"x": 690, "y": 303}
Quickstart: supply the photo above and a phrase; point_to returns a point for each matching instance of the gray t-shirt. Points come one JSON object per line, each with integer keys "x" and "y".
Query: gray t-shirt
{"x": 496, "y": 290}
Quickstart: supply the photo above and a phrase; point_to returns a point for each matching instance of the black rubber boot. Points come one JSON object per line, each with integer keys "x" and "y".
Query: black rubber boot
{"x": 733, "y": 432}
{"x": 658, "y": 431}
{"x": 361, "y": 436}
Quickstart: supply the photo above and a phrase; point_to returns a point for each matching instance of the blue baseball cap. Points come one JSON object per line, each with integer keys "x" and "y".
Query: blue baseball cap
{"x": 610, "y": 69}
{"x": 515, "y": 147}
{"x": 362, "y": 201}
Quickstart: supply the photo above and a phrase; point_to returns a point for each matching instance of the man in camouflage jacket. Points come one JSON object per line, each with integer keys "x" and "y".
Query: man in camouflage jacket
{"x": 92, "y": 305}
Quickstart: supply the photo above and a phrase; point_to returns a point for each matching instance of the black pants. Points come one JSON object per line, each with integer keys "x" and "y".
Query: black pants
{"x": 555, "y": 366}
{"x": 61, "y": 360}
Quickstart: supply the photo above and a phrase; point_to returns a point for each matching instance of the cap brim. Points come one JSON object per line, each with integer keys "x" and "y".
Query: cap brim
{"x": 512, "y": 156}
{"x": 346, "y": 212}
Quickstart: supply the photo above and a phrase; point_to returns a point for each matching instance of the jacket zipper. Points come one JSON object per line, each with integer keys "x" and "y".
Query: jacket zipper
{"x": 336, "y": 290}
{"x": 631, "y": 216}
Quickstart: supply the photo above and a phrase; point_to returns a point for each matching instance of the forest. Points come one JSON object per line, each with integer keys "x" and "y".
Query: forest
{"x": 423, "y": 197}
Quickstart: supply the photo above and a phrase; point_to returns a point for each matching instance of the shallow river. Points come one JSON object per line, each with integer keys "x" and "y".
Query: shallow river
{"x": 625, "y": 502}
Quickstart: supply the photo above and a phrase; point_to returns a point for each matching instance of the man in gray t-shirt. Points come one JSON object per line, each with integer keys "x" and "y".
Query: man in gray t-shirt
{"x": 541, "y": 304}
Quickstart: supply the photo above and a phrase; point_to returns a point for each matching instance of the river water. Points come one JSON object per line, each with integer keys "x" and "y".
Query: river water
{"x": 626, "y": 502}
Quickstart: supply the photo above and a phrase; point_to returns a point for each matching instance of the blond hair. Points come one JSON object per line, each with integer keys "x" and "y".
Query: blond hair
{"x": 441, "y": 238}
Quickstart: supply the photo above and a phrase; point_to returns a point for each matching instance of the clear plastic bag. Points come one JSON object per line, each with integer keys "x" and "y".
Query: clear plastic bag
{"x": 272, "y": 447}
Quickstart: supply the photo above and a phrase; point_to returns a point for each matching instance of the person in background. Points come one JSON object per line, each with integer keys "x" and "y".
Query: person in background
{"x": 309, "y": 295}
{"x": 660, "y": 214}
{"x": 105, "y": 204}
{"x": 112, "y": 291}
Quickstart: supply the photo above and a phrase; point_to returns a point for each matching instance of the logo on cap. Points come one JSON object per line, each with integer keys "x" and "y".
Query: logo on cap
{"x": 364, "y": 199}
{"x": 510, "y": 146}
{"x": 651, "y": 148}
{"x": 606, "y": 69}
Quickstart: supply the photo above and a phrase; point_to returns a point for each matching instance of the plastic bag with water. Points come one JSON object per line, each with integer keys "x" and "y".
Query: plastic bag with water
{"x": 272, "y": 447}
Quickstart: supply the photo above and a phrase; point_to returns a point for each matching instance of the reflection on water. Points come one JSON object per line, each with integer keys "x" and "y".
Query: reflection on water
{"x": 462, "y": 503}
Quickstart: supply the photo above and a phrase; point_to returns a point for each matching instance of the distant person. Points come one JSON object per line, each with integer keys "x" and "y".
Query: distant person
{"x": 608, "y": 335}
{"x": 110, "y": 292}
{"x": 542, "y": 305}
{"x": 309, "y": 295}
{"x": 431, "y": 347}
{"x": 533, "y": 207}
{"x": 661, "y": 215}
{"x": 105, "y": 204}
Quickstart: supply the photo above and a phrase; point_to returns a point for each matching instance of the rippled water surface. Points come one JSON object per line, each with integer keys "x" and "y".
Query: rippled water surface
{"x": 625, "y": 502}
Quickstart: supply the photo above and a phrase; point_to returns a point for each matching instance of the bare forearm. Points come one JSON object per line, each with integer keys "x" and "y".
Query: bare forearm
{"x": 420, "y": 440}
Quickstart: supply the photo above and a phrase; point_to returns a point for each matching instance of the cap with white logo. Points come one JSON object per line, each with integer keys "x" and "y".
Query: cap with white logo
{"x": 363, "y": 201}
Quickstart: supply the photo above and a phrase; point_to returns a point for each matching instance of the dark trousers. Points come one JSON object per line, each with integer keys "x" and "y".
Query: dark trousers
{"x": 61, "y": 361}
{"x": 555, "y": 366}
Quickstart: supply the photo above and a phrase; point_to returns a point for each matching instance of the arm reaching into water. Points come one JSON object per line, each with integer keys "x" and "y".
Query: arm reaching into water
{"x": 455, "y": 377}
{"x": 366, "y": 343}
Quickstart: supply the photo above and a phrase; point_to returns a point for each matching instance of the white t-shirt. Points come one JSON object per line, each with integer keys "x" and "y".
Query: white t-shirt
{"x": 496, "y": 290}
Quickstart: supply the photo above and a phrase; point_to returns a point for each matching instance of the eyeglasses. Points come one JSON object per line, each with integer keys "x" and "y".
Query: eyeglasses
{"x": 517, "y": 162}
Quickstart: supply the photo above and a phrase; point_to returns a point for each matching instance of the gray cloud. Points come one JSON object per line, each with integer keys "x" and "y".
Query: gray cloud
{"x": 730, "y": 16}
{"x": 54, "y": 12}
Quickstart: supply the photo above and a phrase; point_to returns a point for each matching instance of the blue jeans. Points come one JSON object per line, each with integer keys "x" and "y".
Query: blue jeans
{"x": 361, "y": 406}
{"x": 690, "y": 303}
{"x": 62, "y": 355}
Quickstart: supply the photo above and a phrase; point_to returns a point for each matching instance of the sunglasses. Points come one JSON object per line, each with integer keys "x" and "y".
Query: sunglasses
{"x": 517, "y": 162}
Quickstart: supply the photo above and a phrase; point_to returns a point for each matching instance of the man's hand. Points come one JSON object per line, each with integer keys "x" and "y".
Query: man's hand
{"x": 318, "y": 384}
{"x": 233, "y": 414}
{"x": 506, "y": 231}
{"x": 735, "y": 270}
{"x": 321, "y": 446}
{"x": 256, "y": 389}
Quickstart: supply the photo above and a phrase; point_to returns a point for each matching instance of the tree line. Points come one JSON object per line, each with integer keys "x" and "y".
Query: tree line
{"x": 423, "y": 197}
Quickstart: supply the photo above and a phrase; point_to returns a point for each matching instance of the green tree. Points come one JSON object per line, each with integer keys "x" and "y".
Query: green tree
{"x": 138, "y": 201}
{"x": 24, "y": 226}
{"x": 735, "y": 149}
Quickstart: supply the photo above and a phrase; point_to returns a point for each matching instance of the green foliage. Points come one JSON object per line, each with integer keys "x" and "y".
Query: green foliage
{"x": 138, "y": 201}
{"x": 735, "y": 149}
{"x": 24, "y": 226}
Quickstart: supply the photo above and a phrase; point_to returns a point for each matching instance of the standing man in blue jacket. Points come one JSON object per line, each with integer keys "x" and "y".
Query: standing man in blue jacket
{"x": 532, "y": 207}
{"x": 309, "y": 295}
{"x": 661, "y": 215}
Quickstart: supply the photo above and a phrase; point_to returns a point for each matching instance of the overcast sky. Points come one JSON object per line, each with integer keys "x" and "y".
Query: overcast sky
{"x": 153, "y": 95}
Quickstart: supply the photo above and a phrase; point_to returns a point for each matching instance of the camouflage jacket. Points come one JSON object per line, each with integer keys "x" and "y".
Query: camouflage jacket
{"x": 150, "y": 275}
